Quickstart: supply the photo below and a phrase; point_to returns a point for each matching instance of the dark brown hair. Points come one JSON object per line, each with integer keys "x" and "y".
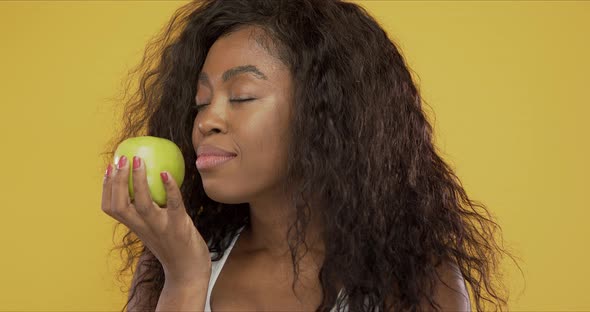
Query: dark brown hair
{"x": 359, "y": 138}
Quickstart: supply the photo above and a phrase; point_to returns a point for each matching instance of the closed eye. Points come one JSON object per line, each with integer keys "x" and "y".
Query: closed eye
{"x": 241, "y": 100}
{"x": 231, "y": 100}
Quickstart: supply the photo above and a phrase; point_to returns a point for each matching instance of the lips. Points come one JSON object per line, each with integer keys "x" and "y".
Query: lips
{"x": 210, "y": 156}
{"x": 208, "y": 161}
{"x": 211, "y": 150}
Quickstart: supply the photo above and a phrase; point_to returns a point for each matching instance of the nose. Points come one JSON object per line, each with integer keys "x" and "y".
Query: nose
{"x": 212, "y": 119}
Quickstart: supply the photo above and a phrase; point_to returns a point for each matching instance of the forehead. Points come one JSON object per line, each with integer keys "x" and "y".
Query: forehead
{"x": 238, "y": 48}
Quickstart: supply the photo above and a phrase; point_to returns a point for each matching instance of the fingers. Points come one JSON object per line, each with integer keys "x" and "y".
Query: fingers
{"x": 112, "y": 208}
{"x": 120, "y": 192}
{"x": 121, "y": 206}
{"x": 106, "y": 191}
{"x": 143, "y": 200}
{"x": 173, "y": 196}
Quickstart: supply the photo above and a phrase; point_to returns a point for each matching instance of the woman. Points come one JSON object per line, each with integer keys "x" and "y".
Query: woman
{"x": 330, "y": 195}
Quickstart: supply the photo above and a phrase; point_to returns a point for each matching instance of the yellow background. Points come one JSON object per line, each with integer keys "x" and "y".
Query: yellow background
{"x": 506, "y": 81}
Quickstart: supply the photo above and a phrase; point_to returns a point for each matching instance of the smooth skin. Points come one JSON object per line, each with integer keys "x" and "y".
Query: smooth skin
{"x": 244, "y": 98}
{"x": 167, "y": 231}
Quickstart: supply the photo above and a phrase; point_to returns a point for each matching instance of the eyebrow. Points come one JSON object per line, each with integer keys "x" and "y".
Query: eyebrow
{"x": 228, "y": 74}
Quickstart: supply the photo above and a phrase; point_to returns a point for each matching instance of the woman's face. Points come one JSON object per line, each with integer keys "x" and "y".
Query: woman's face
{"x": 237, "y": 68}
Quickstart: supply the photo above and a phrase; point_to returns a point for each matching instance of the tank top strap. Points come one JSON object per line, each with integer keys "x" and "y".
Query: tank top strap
{"x": 217, "y": 266}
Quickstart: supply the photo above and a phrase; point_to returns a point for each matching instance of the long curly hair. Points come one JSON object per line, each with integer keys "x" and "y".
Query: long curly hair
{"x": 394, "y": 210}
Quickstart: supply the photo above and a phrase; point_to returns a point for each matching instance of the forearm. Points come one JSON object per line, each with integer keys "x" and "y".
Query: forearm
{"x": 182, "y": 297}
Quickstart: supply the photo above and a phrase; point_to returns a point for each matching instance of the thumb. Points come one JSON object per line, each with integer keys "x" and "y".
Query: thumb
{"x": 173, "y": 196}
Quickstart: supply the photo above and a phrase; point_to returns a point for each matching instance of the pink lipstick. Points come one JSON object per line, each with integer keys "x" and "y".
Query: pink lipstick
{"x": 212, "y": 161}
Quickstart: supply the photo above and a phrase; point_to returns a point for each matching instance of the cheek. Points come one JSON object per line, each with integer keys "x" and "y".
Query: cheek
{"x": 261, "y": 164}
{"x": 264, "y": 152}
{"x": 261, "y": 137}
{"x": 260, "y": 167}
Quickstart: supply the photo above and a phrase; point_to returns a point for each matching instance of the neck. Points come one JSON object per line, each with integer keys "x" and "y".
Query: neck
{"x": 270, "y": 220}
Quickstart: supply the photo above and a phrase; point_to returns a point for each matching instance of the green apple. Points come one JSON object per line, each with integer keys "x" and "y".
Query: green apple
{"x": 158, "y": 155}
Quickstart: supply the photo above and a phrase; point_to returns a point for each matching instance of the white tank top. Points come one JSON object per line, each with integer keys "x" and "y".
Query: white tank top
{"x": 216, "y": 267}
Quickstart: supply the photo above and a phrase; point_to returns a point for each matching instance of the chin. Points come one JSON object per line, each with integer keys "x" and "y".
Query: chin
{"x": 223, "y": 195}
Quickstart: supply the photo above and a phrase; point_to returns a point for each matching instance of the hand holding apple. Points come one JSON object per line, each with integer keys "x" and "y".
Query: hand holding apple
{"x": 168, "y": 232}
{"x": 159, "y": 155}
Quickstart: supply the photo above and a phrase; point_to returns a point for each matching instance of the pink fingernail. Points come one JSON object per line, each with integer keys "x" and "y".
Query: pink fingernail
{"x": 136, "y": 162}
{"x": 122, "y": 162}
{"x": 164, "y": 176}
{"x": 109, "y": 170}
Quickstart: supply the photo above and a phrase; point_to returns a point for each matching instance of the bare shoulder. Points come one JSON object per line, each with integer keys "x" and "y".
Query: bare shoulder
{"x": 450, "y": 289}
